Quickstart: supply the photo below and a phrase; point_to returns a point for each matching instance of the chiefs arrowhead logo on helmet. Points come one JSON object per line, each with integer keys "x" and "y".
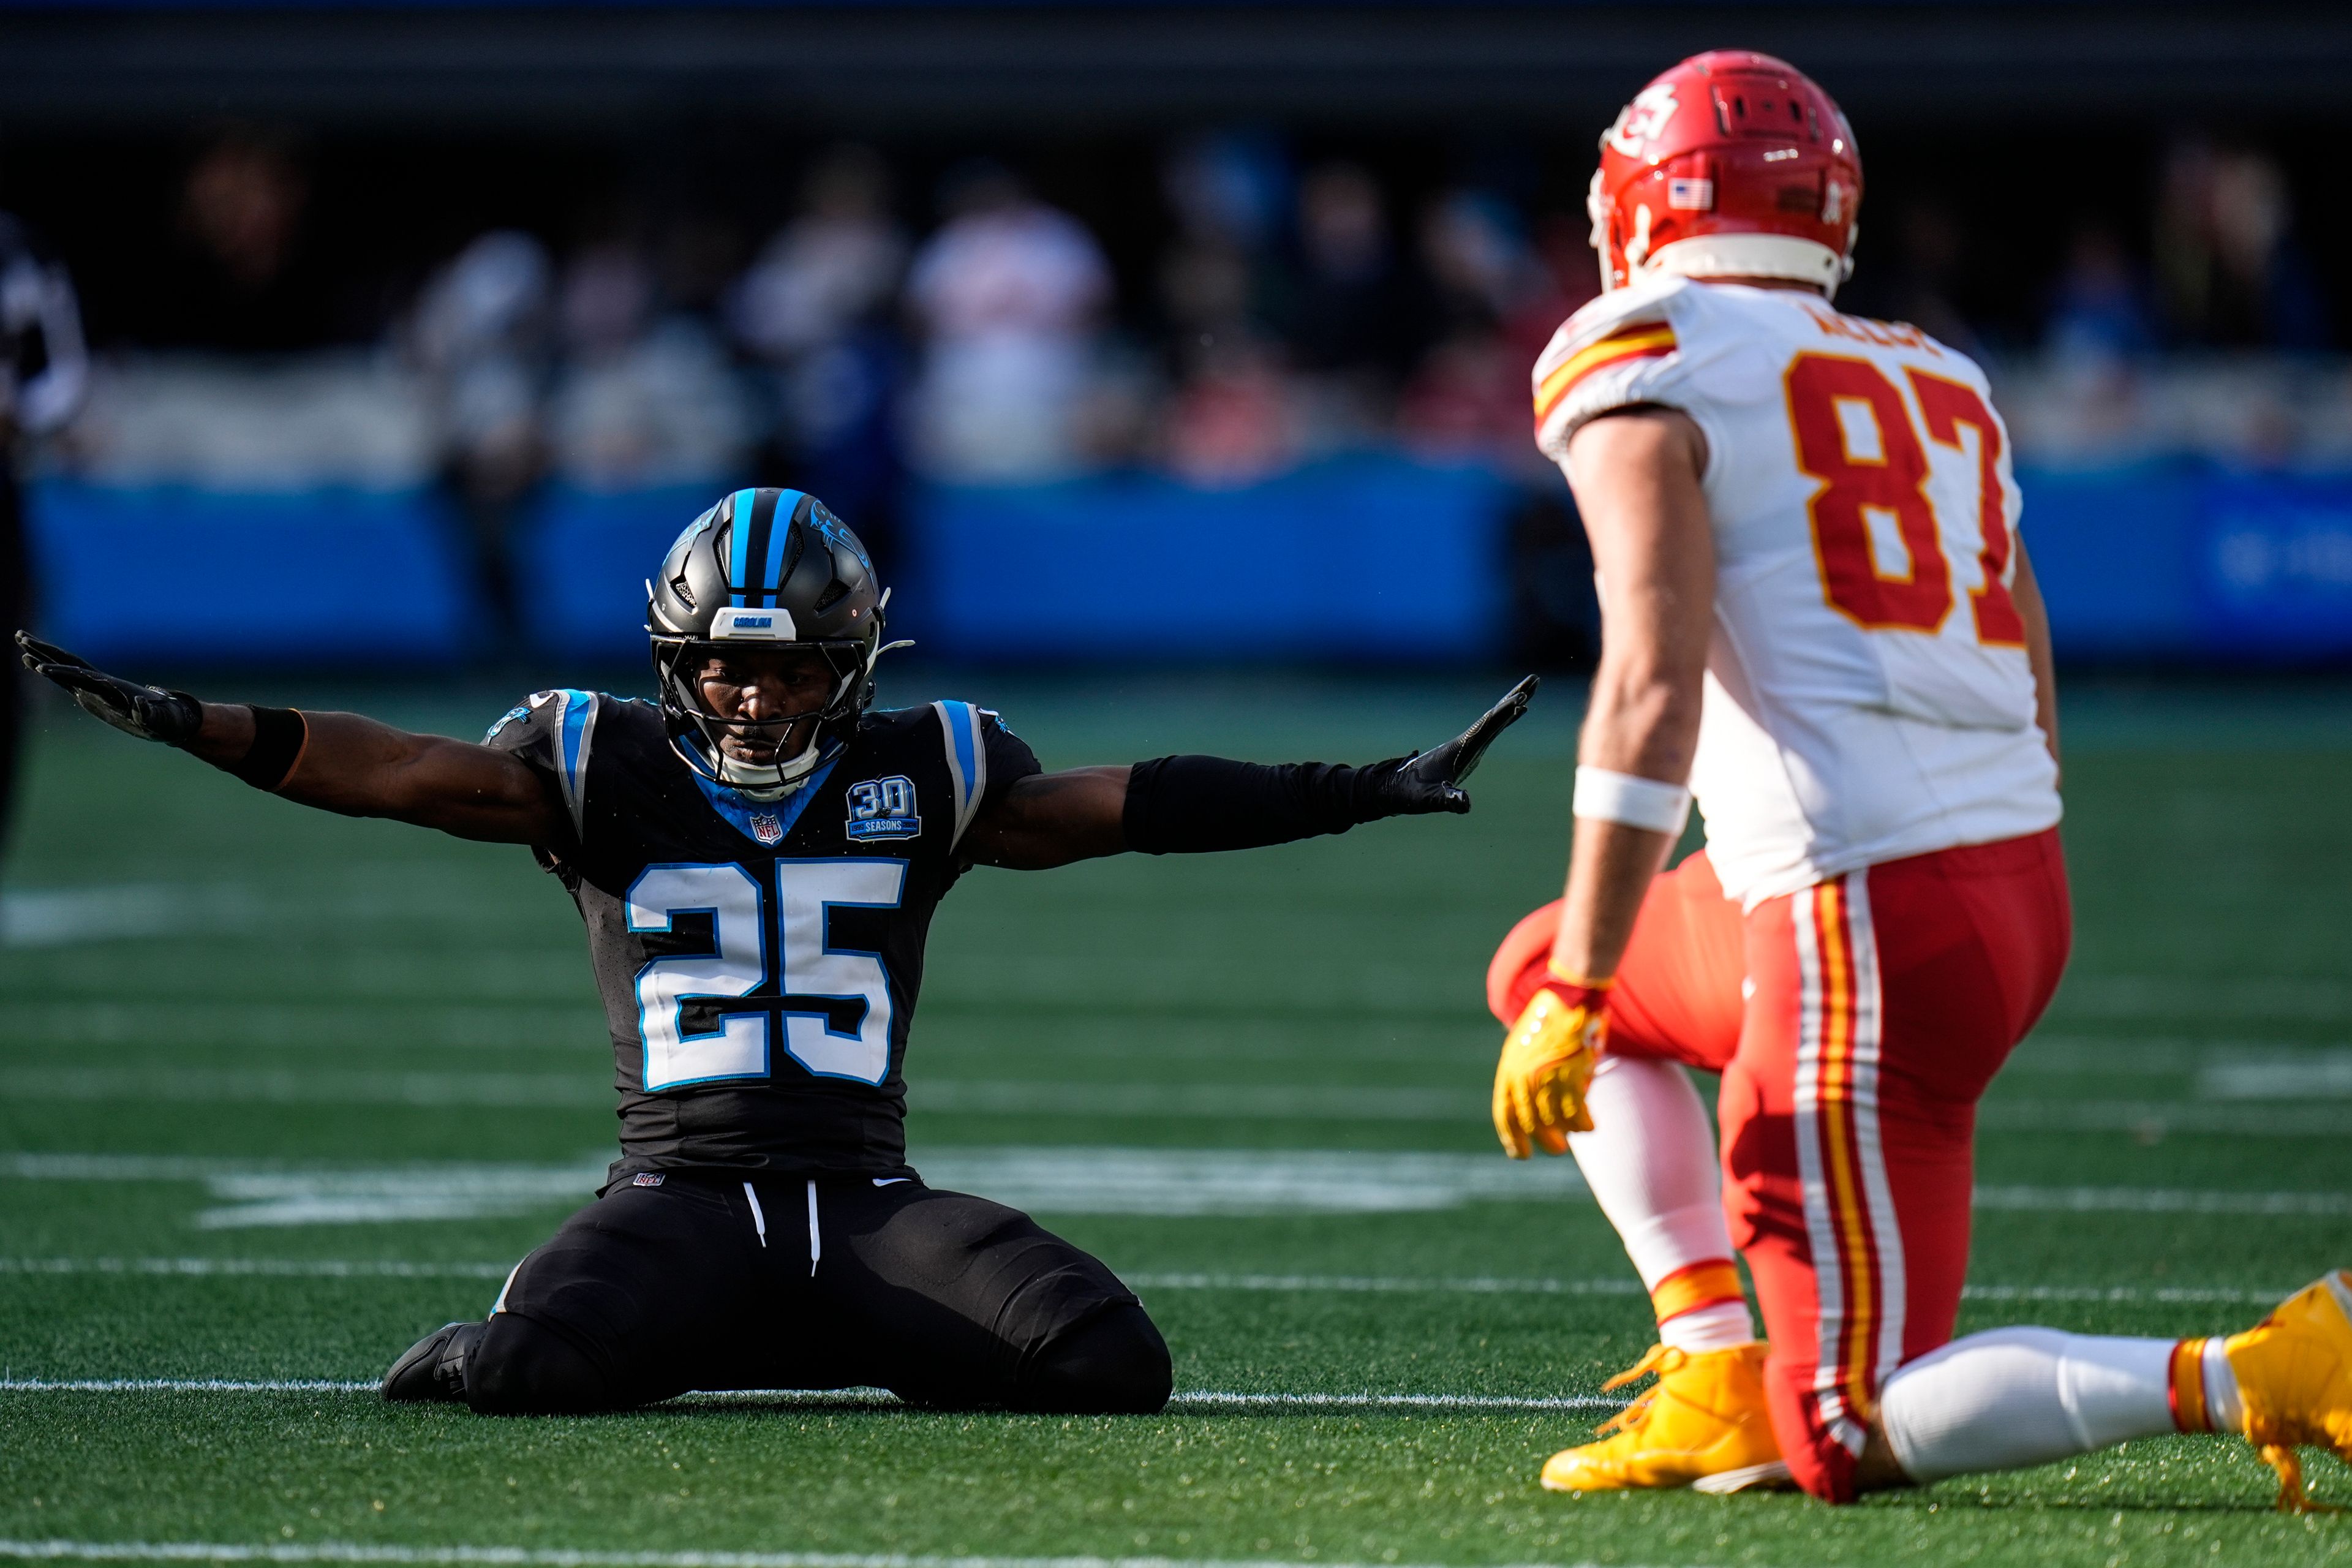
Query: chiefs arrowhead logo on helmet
{"x": 1730, "y": 165}
{"x": 1644, "y": 120}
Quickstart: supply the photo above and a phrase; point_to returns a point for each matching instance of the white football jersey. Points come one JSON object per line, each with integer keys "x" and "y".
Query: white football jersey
{"x": 1868, "y": 695}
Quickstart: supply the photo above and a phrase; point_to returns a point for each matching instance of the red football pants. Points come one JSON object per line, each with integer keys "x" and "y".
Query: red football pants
{"x": 1855, "y": 1024}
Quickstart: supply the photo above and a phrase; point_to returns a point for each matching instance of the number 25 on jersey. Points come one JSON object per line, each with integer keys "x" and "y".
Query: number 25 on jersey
{"x": 812, "y": 971}
{"x": 1832, "y": 399}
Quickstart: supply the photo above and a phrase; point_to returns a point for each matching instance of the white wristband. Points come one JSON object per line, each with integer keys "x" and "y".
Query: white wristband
{"x": 1633, "y": 800}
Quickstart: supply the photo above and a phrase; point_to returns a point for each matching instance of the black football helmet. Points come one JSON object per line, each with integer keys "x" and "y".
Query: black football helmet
{"x": 764, "y": 568}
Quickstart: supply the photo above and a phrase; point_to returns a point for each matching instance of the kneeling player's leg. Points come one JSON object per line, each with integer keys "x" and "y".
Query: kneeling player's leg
{"x": 640, "y": 1295}
{"x": 1853, "y": 1212}
{"x": 519, "y": 1367}
{"x": 1650, "y": 1158}
{"x": 2010, "y": 1397}
{"x": 2028, "y": 1396}
{"x": 505, "y": 1366}
{"x": 1650, "y": 1163}
{"x": 950, "y": 1299}
{"x": 1112, "y": 1363}
{"x": 1885, "y": 1001}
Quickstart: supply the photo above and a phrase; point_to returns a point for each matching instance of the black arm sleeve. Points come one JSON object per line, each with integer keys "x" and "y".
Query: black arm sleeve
{"x": 279, "y": 736}
{"x": 1178, "y": 806}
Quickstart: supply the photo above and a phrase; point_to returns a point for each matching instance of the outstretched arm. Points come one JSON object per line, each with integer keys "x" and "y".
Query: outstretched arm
{"x": 1637, "y": 480}
{"x": 1052, "y": 819}
{"x": 337, "y": 762}
{"x": 354, "y": 765}
{"x": 1189, "y": 804}
{"x": 1654, "y": 550}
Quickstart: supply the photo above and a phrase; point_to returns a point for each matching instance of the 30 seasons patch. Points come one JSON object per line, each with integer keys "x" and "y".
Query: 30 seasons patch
{"x": 882, "y": 809}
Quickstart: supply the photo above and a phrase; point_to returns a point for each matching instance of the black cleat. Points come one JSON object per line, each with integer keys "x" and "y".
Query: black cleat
{"x": 433, "y": 1368}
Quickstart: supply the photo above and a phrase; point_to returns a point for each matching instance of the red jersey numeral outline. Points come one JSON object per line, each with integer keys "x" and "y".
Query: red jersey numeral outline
{"x": 1895, "y": 483}
{"x": 1947, "y": 405}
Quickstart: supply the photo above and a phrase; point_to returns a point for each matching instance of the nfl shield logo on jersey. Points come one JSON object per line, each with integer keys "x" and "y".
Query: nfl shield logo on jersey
{"x": 766, "y": 828}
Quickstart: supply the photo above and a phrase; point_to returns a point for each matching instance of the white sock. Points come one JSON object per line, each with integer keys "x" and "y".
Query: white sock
{"x": 2224, "y": 1409}
{"x": 1650, "y": 1161}
{"x": 1716, "y": 1327}
{"x": 2011, "y": 1397}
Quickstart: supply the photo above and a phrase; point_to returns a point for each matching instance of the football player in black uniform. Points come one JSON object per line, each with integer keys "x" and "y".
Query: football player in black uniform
{"x": 44, "y": 373}
{"x": 757, "y": 855}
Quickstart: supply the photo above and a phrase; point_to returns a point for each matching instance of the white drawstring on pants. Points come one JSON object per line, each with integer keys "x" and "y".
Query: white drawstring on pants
{"x": 816, "y": 1242}
{"x": 759, "y": 1220}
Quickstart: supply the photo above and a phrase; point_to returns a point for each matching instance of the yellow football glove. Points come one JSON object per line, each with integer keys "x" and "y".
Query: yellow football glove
{"x": 1548, "y": 1059}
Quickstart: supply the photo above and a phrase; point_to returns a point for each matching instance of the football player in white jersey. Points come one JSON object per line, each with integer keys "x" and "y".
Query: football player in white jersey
{"x": 1817, "y": 617}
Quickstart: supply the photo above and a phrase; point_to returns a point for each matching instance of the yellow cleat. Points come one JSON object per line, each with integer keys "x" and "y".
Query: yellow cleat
{"x": 1704, "y": 1426}
{"x": 2294, "y": 1381}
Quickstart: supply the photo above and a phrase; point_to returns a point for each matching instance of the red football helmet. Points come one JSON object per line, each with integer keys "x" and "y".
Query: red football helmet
{"x": 1731, "y": 164}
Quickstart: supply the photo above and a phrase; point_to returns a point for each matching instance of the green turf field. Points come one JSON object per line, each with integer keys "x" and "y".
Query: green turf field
{"x": 283, "y": 1091}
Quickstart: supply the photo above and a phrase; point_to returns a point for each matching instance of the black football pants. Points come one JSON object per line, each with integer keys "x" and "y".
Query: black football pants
{"x": 946, "y": 1299}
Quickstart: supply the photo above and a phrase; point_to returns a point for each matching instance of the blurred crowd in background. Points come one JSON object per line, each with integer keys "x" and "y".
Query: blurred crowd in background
{"x": 975, "y": 331}
{"x": 1218, "y": 310}
{"x": 972, "y": 334}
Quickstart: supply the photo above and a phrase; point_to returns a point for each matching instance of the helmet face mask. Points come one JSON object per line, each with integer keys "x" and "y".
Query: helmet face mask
{"x": 711, "y": 680}
{"x": 764, "y": 582}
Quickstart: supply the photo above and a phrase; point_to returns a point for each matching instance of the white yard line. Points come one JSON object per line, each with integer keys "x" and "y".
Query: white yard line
{"x": 1184, "y": 1401}
{"x": 2173, "y": 995}
{"x": 1218, "y": 1101}
{"x": 2163, "y": 1200}
{"x": 243, "y": 1023}
{"x": 270, "y": 1268}
{"x": 1059, "y": 1180}
{"x": 2310, "y": 1075}
{"x": 224, "y": 1086}
{"x": 1343, "y": 1284}
{"x": 1052, "y": 1179}
{"x": 183, "y": 1385}
{"x": 562, "y": 1557}
{"x": 1348, "y": 1284}
{"x": 1354, "y": 1104}
{"x": 551, "y": 1091}
{"x": 61, "y": 917}
{"x": 2158, "y": 1118}
{"x": 1280, "y": 1284}
{"x": 1214, "y": 1401}
{"x": 2168, "y": 1295}
{"x": 2158, "y": 1056}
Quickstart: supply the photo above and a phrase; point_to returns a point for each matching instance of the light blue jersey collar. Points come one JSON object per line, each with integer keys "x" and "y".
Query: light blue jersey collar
{"x": 764, "y": 822}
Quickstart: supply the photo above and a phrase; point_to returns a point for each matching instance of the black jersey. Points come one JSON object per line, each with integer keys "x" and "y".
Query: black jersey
{"x": 759, "y": 961}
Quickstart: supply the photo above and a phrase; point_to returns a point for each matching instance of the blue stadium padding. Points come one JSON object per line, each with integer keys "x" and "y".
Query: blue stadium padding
{"x": 1368, "y": 557}
{"x": 2274, "y": 564}
{"x": 2179, "y": 559}
{"x": 2114, "y": 551}
{"x": 170, "y": 572}
{"x": 582, "y": 560}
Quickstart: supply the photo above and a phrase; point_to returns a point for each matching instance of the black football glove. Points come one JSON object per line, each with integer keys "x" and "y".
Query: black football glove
{"x": 149, "y": 712}
{"x": 1431, "y": 780}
